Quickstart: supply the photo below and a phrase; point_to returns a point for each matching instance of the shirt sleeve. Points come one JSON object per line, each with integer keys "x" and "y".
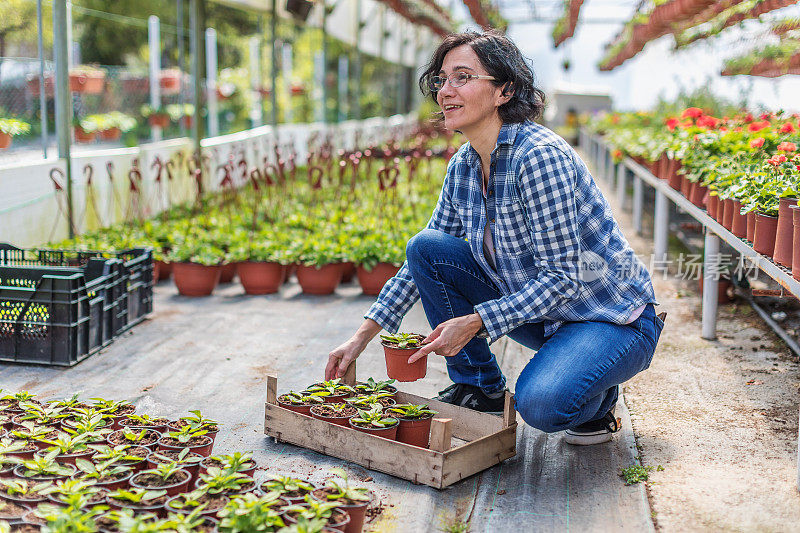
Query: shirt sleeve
{"x": 400, "y": 293}
{"x": 547, "y": 183}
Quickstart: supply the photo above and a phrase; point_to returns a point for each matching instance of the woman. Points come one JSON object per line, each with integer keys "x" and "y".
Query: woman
{"x": 521, "y": 243}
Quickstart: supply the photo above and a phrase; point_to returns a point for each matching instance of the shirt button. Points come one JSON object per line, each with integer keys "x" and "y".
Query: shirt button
{"x": 492, "y": 221}
{"x": 491, "y": 192}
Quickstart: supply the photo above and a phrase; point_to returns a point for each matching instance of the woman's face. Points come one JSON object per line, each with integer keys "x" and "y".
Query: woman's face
{"x": 469, "y": 107}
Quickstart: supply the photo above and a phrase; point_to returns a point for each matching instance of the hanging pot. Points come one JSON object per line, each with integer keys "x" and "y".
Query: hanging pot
{"x": 783, "y": 237}
{"x": 739, "y": 226}
{"x": 764, "y": 239}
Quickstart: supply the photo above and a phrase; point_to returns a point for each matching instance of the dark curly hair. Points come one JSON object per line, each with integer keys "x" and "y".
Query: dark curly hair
{"x": 504, "y": 62}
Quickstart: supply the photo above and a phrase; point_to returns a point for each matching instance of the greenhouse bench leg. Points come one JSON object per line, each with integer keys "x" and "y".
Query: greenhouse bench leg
{"x": 661, "y": 227}
{"x": 710, "y": 285}
{"x": 638, "y": 199}
{"x": 621, "y": 183}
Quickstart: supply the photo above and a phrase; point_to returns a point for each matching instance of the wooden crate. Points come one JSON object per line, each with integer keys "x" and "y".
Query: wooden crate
{"x": 463, "y": 442}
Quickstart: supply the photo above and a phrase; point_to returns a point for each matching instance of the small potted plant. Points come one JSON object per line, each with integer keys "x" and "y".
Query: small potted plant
{"x": 145, "y": 422}
{"x": 320, "y": 269}
{"x": 169, "y": 80}
{"x": 141, "y": 437}
{"x": 197, "y": 421}
{"x": 87, "y": 80}
{"x": 375, "y": 423}
{"x": 65, "y": 493}
{"x": 252, "y": 513}
{"x": 113, "y": 125}
{"x": 371, "y": 386}
{"x": 45, "y": 468}
{"x": 187, "y": 437}
{"x": 235, "y": 462}
{"x": 9, "y": 128}
{"x": 138, "y": 500}
{"x": 311, "y": 509}
{"x": 368, "y": 401}
{"x": 106, "y": 474}
{"x": 198, "y": 499}
{"x": 299, "y": 402}
{"x": 291, "y": 489}
{"x": 332, "y": 391}
{"x": 193, "y": 522}
{"x": 85, "y": 129}
{"x": 157, "y": 117}
{"x": 353, "y": 500}
{"x": 69, "y": 447}
{"x": 181, "y": 113}
{"x": 13, "y": 449}
{"x": 23, "y": 491}
{"x": 187, "y": 460}
{"x": 415, "y": 423}
{"x": 335, "y": 413}
{"x": 134, "y": 457}
{"x": 219, "y": 481}
{"x": 168, "y": 476}
{"x": 8, "y": 461}
{"x": 116, "y": 409}
{"x": 397, "y": 348}
{"x": 196, "y": 266}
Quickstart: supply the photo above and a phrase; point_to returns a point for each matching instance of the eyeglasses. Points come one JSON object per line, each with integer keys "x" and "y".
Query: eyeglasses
{"x": 456, "y": 79}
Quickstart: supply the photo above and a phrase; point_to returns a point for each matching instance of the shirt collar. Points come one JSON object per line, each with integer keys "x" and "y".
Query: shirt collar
{"x": 507, "y": 135}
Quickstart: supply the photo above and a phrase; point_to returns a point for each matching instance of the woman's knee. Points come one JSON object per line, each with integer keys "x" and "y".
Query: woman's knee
{"x": 544, "y": 407}
{"x": 422, "y": 244}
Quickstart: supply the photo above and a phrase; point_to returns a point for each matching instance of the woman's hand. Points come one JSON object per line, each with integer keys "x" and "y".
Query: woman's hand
{"x": 339, "y": 359}
{"x": 449, "y": 337}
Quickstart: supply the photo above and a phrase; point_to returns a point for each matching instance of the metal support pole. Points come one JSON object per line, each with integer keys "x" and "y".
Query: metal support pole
{"x": 343, "y": 71}
{"x": 381, "y": 39}
{"x": 324, "y": 62}
{"x": 638, "y": 201}
{"x": 255, "y": 80}
{"x": 211, "y": 82}
{"x": 287, "y": 79}
{"x": 357, "y": 65}
{"x": 710, "y": 285}
{"x": 661, "y": 227}
{"x": 318, "y": 93}
{"x": 42, "y": 94}
{"x": 181, "y": 67}
{"x": 273, "y": 68}
{"x": 609, "y": 164}
{"x": 62, "y": 100}
{"x": 154, "y": 45}
{"x": 621, "y": 183}
{"x": 197, "y": 22}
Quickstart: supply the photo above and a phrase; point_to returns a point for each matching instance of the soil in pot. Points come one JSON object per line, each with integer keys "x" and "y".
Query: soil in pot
{"x": 214, "y": 503}
{"x": 211, "y": 462}
{"x": 210, "y": 429}
{"x": 303, "y": 409}
{"x": 328, "y": 413}
{"x": 397, "y": 366}
{"x": 192, "y": 279}
{"x": 24, "y": 453}
{"x": 30, "y": 500}
{"x": 389, "y": 432}
{"x": 156, "y": 424}
{"x": 149, "y": 439}
{"x": 201, "y": 445}
{"x": 319, "y": 281}
{"x": 357, "y": 511}
{"x": 764, "y": 238}
{"x": 296, "y": 496}
{"x": 19, "y": 469}
{"x": 338, "y": 521}
{"x": 110, "y": 482}
{"x": 782, "y": 254}
{"x": 11, "y": 510}
{"x": 151, "y": 480}
{"x": 261, "y": 277}
{"x": 386, "y": 401}
{"x": 372, "y": 281}
{"x": 25, "y": 527}
{"x": 157, "y": 457}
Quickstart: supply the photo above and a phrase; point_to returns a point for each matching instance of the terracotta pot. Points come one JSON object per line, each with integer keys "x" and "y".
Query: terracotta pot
{"x": 764, "y": 238}
{"x": 258, "y": 277}
{"x": 727, "y": 216}
{"x": 783, "y": 237}
{"x": 323, "y": 280}
{"x": 739, "y": 227}
{"x": 711, "y": 205}
{"x": 196, "y": 280}
{"x": 193, "y": 468}
{"x": 87, "y": 82}
{"x": 5, "y": 140}
{"x": 172, "y": 489}
{"x": 302, "y": 409}
{"x": 348, "y": 271}
{"x": 397, "y": 366}
{"x": 372, "y": 281}
{"x": 415, "y": 432}
{"x": 228, "y": 273}
{"x": 751, "y": 225}
{"x": 158, "y": 121}
{"x": 385, "y": 433}
{"x": 203, "y": 448}
{"x": 686, "y": 187}
{"x": 719, "y": 216}
{"x": 164, "y": 270}
{"x": 338, "y": 420}
{"x": 723, "y": 289}
{"x": 796, "y": 241}
{"x": 210, "y": 512}
{"x": 83, "y": 136}
{"x": 357, "y": 512}
{"x": 111, "y": 134}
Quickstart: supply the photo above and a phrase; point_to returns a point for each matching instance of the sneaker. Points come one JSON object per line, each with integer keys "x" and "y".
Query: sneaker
{"x": 474, "y": 398}
{"x": 594, "y": 431}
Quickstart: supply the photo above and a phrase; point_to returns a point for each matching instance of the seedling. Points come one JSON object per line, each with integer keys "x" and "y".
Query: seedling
{"x": 41, "y": 414}
{"x": 117, "y": 453}
{"x": 333, "y": 387}
{"x": 371, "y": 386}
{"x": 199, "y": 421}
{"x": 31, "y": 431}
{"x": 299, "y": 398}
{"x": 190, "y": 500}
{"x": 411, "y": 411}
{"x": 186, "y": 523}
{"x": 404, "y": 340}
{"x": 235, "y": 462}
{"x": 8, "y": 445}
{"x": 133, "y": 437}
{"x": 23, "y": 488}
{"x": 313, "y": 509}
{"x": 305, "y": 525}
{"x": 187, "y": 433}
{"x": 144, "y": 420}
{"x": 109, "y": 406}
{"x": 66, "y": 444}
{"x": 368, "y": 402}
{"x": 139, "y": 497}
{"x": 287, "y": 485}
{"x": 250, "y": 513}
{"x": 45, "y": 466}
{"x": 166, "y": 470}
{"x": 219, "y": 481}
{"x": 68, "y": 404}
{"x": 343, "y": 489}
{"x": 637, "y": 473}
{"x": 105, "y": 470}
{"x": 183, "y": 458}
{"x": 68, "y": 487}
{"x": 374, "y": 418}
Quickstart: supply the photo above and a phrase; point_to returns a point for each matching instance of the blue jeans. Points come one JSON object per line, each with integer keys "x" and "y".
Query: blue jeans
{"x": 575, "y": 374}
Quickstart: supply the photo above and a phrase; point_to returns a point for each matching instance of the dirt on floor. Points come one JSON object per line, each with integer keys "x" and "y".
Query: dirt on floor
{"x": 720, "y": 417}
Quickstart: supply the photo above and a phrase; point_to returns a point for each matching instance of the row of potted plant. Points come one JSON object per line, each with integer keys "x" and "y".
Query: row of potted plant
{"x": 106, "y": 126}
{"x": 744, "y": 170}
{"x": 368, "y": 407}
{"x": 10, "y": 128}
{"x": 63, "y": 468}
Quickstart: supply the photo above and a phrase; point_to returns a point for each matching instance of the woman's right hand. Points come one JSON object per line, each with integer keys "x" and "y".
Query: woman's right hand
{"x": 340, "y": 358}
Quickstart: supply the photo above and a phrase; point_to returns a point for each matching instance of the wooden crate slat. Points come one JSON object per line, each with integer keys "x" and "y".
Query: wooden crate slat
{"x": 478, "y": 455}
{"x": 467, "y": 424}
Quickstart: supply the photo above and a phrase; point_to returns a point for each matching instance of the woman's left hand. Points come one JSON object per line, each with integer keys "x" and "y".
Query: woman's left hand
{"x": 449, "y": 337}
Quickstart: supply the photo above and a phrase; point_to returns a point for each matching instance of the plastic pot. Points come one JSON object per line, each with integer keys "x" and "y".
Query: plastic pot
{"x": 164, "y": 270}
{"x": 319, "y": 281}
{"x": 211, "y": 512}
{"x": 727, "y": 216}
{"x": 111, "y": 134}
{"x": 751, "y": 225}
{"x": 203, "y": 448}
{"x": 15, "y": 514}
{"x": 5, "y": 140}
{"x": 250, "y": 471}
{"x": 172, "y": 489}
{"x": 675, "y": 179}
{"x": 193, "y": 468}
{"x": 795, "y": 209}
{"x": 739, "y": 226}
{"x": 356, "y": 512}
{"x": 338, "y": 420}
{"x": 260, "y": 277}
{"x": 193, "y": 279}
{"x": 87, "y": 82}
{"x": 157, "y": 508}
{"x": 782, "y": 253}
{"x": 415, "y": 431}
{"x": 698, "y": 194}
{"x": 339, "y": 516}
{"x": 386, "y": 432}
{"x": 19, "y": 469}
{"x": 397, "y": 366}
{"x": 348, "y": 271}
{"x": 719, "y": 215}
{"x": 372, "y": 281}
{"x": 764, "y": 238}
{"x": 82, "y": 136}
{"x": 686, "y": 187}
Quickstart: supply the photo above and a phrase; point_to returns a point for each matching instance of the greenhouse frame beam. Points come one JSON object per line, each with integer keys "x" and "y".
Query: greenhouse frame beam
{"x": 197, "y": 23}
{"x": 63, "y": 102}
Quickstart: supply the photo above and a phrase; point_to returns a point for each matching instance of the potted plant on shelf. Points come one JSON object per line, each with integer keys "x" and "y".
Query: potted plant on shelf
{"x": 397, "y": 348}
{"x": 375, "y": 423}
{"x": 9, "y": 128}
{"x": 167, "y": 476}
{"x": 169, "y": 80}
{"x": 85, "y": 129}
{"x": 86, "y": 80}
{"x": 112, "y": 125}
{"x": 196, "y": 266}
{"x": 415, "y": 423}
{"x": 353, "y": 500}
{"x": 157, "y": 117}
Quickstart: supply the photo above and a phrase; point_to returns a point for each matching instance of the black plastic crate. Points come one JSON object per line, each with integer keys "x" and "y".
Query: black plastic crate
{"x": 55, "y": 315}
{"x": 133, "y": 296}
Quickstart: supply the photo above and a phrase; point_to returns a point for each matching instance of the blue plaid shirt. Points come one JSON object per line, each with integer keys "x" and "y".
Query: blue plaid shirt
{"x": 560, "y": 255}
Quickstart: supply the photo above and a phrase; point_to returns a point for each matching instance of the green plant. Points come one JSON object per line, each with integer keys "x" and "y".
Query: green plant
{"x": 404, "y": 340}
{"x": 14, "y": 127}
{"x": 22, "y": 488}
{"x": 343, "y": 490}
{"x": 306, "y": 525}
{"x": 219, "y": 481}
{"x": 166, "y": 470}
{"x": 374, "y": 418}
{"x": 197, "y": 420}
{"x": 372, "y": 386}
{"x": 190, "y": 500}
{"x": 368, "y": 401}
{"x": 30, "y": 431}
{"x": 411, "y": 411}
{"x": 235, "y": 462}
{"x": 134, "y": 437}
{"x": 136, "y": 496}
{"x": 637, "y": 473}
{"x": 104, "y": 470}
{"x": 187, "y": 433}
{"x": 186, "y": 523}
{"x": 249, "y": 513}
{"x": 313, "y": 509}
{"x": 45, "y": 466}
{"x": 68, "y": 444}
{"x": 333, "y": 387}
{"x": 110, "y": 407}
{"x": 184, "y": 458}
{"x": 300, "y": 398}
{"x": 286, "y": 484}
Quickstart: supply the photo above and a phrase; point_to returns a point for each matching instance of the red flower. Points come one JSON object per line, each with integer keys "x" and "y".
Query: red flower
{"x": 787, "y": 147}
{"x": 707, "y": 121}
{"x": 749, "y": 118}
{"x": 692, "y": 112}
{"x": 766, "y": 116}
{"x": 787, "y": 128}
{"x": 757, "y": 143}
{"x": 758, "y": 126}
{"x": 672, "y": 123}
{"x": 687, "y": 124}
{"x": 777, "y": 159}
